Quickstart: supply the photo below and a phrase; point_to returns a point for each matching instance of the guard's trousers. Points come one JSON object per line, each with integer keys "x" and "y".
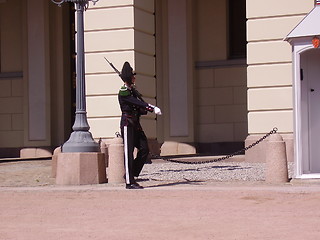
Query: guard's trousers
{"x": 134, "y": 138}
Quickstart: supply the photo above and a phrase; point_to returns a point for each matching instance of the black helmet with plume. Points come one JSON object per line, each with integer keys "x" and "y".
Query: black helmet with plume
{"x": 127, "y": 73}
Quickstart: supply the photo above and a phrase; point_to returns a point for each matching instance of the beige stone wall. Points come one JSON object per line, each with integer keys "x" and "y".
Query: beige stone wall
{"x": 25, "y": 74}
{"x": 270, "y": 63}
{"x": 270, "y": 95}
{"x": 61, "y": 76}
{"x": 11, "y": 88}
{"x": 34, "y": 72}
{"x": 11, "y": 112}
{"x": 175, "y": 70}
{"x": 221, "y": 108}
{"x": 11, "y": 35}
{"x": 211, "y": 30}
{"x": 123, "y": 30}
{"x": 120, "y": 31}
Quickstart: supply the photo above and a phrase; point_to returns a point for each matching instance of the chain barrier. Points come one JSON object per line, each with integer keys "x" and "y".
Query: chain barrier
{"x": 274, "y": 130}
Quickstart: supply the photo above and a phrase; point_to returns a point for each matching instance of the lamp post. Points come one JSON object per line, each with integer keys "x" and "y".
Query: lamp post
{"x": 80, "y": 139}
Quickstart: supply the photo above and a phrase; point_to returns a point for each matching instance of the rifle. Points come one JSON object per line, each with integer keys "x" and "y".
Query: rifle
{"x": 135, "y": 91}
{"x": 114, "y": 68}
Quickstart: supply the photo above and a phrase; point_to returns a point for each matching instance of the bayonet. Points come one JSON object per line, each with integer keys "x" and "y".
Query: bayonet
{"x": 114, "y": 68}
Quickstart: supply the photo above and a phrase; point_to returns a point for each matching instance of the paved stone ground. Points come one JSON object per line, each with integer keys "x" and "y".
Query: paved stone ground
{"x": 32, "y": 207}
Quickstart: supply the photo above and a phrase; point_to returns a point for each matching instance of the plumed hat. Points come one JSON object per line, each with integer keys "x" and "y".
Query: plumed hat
{"x": 127, "y": 73}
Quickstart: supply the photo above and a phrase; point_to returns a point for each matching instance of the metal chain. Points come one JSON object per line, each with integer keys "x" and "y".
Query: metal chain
{"x": 274, "y": 130}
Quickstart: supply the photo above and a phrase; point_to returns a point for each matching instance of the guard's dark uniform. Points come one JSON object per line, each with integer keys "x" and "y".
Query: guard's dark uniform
{"x": 133, "y": 106}
{"x": 133, "y": 136}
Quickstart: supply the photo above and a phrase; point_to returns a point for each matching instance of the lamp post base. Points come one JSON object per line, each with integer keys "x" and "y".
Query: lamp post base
{"x": 80, "y": 141}
{"x": 80, "y": 168}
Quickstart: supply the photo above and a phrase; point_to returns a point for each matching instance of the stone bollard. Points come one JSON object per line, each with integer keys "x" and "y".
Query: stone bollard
{"x": 276, "y": 160}
{"x": 104, "y": 149}
{"x": 54, "y": 162}
{"x": 116, "y": 170}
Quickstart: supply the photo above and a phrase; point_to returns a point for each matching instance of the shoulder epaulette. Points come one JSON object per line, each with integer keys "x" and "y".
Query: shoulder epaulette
{"x": 124, "y": 91}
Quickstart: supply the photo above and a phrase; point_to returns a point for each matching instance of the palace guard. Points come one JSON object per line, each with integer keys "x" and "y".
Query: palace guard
{"x": 133, "y": 106}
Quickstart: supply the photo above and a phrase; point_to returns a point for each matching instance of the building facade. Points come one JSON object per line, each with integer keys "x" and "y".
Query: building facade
{"x": 220, "y": 71}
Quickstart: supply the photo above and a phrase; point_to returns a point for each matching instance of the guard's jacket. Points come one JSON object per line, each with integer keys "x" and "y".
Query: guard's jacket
{"x": 132, "y": 107}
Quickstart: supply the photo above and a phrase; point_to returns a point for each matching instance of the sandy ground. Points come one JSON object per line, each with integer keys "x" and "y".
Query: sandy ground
{"x": 25, "y": 173}
{"x": 32, "y": 207}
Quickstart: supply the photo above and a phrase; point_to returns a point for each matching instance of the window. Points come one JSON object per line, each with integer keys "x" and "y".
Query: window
{"x": 237, "y": 29}
{"x": 10, "y": 36}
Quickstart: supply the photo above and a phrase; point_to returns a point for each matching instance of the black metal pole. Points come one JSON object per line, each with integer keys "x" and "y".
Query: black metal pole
{"x": 81, "y": 139}
{"x": 81, "y": 123}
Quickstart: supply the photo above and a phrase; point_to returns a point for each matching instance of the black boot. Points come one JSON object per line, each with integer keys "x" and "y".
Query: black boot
{"x": 133, "y": 186}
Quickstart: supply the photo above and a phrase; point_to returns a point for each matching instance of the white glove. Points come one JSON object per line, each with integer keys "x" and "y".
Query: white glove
{"x": 157, "y": 111}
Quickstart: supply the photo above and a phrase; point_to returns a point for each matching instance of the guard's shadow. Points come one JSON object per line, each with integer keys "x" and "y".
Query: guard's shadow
{"x": 186, "y": 182}
{"x": 148, "y": 177}
{"x": 230, "y": 168}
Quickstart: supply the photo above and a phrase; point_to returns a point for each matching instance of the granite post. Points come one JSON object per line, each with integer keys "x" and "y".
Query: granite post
{"x": 276, "y": 160}
{"x": 116, "y": 171}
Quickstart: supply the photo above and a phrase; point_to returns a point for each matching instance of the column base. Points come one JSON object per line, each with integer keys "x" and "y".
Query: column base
{"x": 80, "y": 141}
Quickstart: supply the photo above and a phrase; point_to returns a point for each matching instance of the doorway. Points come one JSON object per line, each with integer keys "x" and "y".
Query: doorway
{"x": 310, "y": 110}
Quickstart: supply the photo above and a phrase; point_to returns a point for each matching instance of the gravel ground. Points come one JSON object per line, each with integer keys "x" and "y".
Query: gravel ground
{"x": 38, "y": 173}
{"x": 218, "y": 171}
